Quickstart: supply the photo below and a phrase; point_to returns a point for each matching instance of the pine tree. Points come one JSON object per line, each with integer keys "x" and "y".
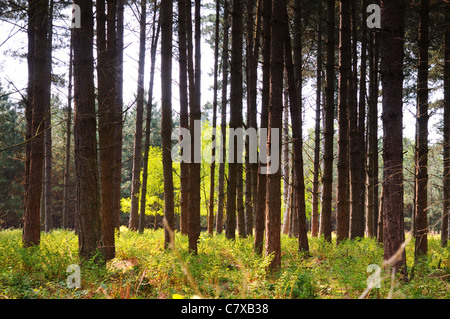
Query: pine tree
{"x": 38, "y": 15}
{"x": 392, "y": 53}
{"x": 86, "y": 167}
{"x": 166, "y": 114}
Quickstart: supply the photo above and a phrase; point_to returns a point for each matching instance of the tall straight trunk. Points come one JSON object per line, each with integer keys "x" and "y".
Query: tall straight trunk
{"x": 212, "y": 174}
{"x": 166, "y": 114}
{"x": 353, "y": 130}
{"x": 372, "y": 137}
{"x": 195, "y": 114}
{"x": 38, "y": 15}
{"x": 137, "y": 151}
{"x": 87, "y": 180}
{"x": 235, "y": 114}
{"x": 273, "y": 200}
{"x": 285, "y": 164}
{"x": 328, "y": 130}
{"x": 342, "y": 165}
{"x": 66, "y": 208}
{"x": 392, "y": 52}
{"x": 361, "y": 125}
{"x": 223, "y": 121}
{"x": 31, "y": 11}
{"x": 260, "y": 200}
{"x": 119, "y": 111}
{"x": 315, "y": 192}
{"x": 293, "y": 67}
{"x": 446, "y": 202}
{"x": 106, "y": 73}
{"x": 240, "y": 208}
{"x": 48, "y": 125}
{"x": 252, "y": 76}
{"x": 421, "y": 243}
{"x": 184, "y": 115}
{"x": 156, "y": 28}
{"x": 380, "y": 218}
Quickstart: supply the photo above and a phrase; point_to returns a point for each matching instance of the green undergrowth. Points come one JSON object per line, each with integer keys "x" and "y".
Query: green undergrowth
{"x": 222, "y": 269}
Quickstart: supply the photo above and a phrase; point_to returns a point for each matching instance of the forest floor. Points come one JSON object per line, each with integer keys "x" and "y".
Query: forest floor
{"x": 222, "y": 269}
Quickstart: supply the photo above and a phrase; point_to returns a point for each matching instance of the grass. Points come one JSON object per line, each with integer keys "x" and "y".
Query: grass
{"x": 222, "y": 269}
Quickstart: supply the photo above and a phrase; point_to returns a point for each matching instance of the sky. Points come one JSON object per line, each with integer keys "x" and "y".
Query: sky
{"x": 13, "y": 70}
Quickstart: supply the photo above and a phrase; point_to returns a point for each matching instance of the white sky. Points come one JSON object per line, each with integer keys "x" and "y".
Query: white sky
{"x": 14, "y": 70}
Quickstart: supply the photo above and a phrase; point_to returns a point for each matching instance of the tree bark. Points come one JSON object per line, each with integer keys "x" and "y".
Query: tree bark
{"x": 86, "y": 168}
{"x": 166, "y": 115}
{"x": 66, "y": 208}
{"x": 38, "y": 16}
{"x": 285, "y": 164}
{"x": 119, "y": 111}
{"x": 273, "y": 200}
{"x": 342, "y": 165}
{"x": 421, "y": 174}
{"x": 328, "y": 130}
{"x": 361, "y": 125}
{"x": 260, "y": 200}
{"x": 212, "y": 171}
{"x": 156, "y": 28}
{"x": 252, "y": 76}
{"x": 392, "y": 52}
{"x": 315, "y": 191}
{"x": 106, "y": 72}
{"x": 195, "y": 114}
{"x": 235, "y": 114}
{"x": 353, "y": 130}
{"x": 137, "y": 150}
{"x": 184, "y": 116}
{"x": 223, "y": 123}
{"x": 372, "y": 137}
{"x": 446, "y": 202}
{"x": 48, "y": 124}
{"x": 294, "y": 77}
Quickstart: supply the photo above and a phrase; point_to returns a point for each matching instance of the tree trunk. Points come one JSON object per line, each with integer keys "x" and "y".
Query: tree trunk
{"x": 240, "y": 202}
{"x": 212, "y": 174}
{"x": 252, "y": 76}
{"x": 446, "y": 202}
{"x": 166, "y": 114}
{"x": 260, "y": 200}
{"x": 285, "y": 164}
{"x": 273, "y": 200}
{"x": 29, "y": 105}
{"x": 361, "y": 125}
{"x": 195, "y": 114}
{"x": 235, "y": 114}
{"x": 294, "y": 84}
{"x": 342, "y": 165}
{"x": 184, "y": 116}
{"x": 66, "y": 208}
{"x": 119, "y": 111}
{"x": 106, "y": 73}
{"x": 48, "y": 125}
{"x": 38, "y": 17}
{"x": 156, "y": 28}
{"x": 353, "y": 130}
{"x": 315, "y": 191}
{"x": 392, "y": 52}
{"x": 86, "y": 168}
{"x": 328, "y": 130}
{"x": 372, "y": 137}
{"x": 223, "y": 123}
{"x": 421, "y": 243}
{"x": 137, "y": 152}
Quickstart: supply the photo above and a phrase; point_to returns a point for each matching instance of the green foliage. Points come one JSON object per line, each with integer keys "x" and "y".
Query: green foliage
{"x": 11, "y": 165}
{"x": 222, "y": 269}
